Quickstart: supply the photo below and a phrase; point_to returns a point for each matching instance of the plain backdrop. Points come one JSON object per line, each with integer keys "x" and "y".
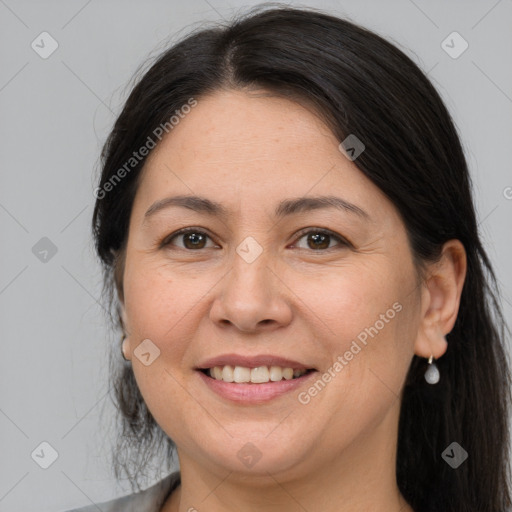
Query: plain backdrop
{"x": 55, "y": 115}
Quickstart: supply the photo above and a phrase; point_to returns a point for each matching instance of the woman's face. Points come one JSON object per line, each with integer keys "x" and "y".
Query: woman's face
{"x": 260, "y": 281}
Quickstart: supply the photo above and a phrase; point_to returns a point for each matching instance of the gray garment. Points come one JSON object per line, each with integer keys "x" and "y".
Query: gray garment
{"x": 148, "y": 500}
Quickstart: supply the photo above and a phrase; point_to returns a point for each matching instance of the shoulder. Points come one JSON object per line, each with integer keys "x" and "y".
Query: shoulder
{"x": 148, "y": 500}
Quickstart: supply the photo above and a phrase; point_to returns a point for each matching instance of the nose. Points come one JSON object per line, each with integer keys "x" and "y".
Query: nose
{"x": 251, "y": 298}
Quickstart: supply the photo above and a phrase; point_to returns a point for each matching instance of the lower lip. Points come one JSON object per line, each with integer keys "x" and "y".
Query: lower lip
{"x": 254, "y": 393}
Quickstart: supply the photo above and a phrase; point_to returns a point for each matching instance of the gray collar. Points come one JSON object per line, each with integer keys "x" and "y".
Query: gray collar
{"x": 148, "y": 500}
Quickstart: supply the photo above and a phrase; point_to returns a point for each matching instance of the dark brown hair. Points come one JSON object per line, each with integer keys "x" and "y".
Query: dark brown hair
{"x": 360, "y": 84}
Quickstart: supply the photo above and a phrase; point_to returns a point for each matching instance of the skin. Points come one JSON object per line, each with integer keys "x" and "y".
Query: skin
{"x": 249, "y": 151}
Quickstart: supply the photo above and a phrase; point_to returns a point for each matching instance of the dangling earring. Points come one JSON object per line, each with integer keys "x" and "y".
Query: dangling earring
{"x": 123, "y": 348}
{"x": 432, "y": 374}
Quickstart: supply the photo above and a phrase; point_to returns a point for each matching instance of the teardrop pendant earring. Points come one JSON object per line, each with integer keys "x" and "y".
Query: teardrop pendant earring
{"x": 432, "y": 374}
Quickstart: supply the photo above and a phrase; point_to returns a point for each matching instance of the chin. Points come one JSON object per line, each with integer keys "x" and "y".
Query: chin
{"x": 258, "y": 456}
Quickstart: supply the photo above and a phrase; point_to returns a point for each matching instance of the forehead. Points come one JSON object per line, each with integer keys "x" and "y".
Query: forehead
{"x": 244, "y": 127}
{"x": 251, "y": 148}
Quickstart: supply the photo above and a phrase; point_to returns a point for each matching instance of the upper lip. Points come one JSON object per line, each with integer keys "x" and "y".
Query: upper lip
{"x": 252, "y": 361}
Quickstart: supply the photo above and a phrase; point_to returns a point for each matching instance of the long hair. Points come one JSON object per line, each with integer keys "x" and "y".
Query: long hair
{"x": 359, "y": 84}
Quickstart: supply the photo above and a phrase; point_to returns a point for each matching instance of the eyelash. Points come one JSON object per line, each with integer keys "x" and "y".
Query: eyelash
{"x": 342, "y": 241}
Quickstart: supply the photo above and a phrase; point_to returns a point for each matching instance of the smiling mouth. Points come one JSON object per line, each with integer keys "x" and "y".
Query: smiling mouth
{"x": 257, "y": 375}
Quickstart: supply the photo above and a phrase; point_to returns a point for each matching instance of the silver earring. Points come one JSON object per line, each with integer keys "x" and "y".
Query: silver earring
{"x": 432, "y": 374}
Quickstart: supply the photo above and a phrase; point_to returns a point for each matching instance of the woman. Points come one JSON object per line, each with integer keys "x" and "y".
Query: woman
{"x": 288, "y": 234}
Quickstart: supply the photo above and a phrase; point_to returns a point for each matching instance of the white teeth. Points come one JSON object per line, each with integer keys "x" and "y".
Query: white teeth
{"x": 242, "y": 374}
{"x": 259, "y": 375}
{"x": 288, "y": 373}
{"x": 276, "y": 373}
{"x": 227, "y": 373}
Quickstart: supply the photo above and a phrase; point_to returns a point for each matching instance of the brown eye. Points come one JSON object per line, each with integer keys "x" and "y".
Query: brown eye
{"x": 192, "y": 239}
{"x": 318, "y": 240}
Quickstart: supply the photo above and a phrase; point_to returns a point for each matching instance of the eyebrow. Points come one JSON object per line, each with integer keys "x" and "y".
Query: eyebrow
{"x": 285, "y": 208}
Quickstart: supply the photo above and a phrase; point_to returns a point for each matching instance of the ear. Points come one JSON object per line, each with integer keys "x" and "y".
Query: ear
{"x": 122, "y": 312}
{"x": 440, "y": 300}
{"x": 123, "y": 317}
{"x": 125, "y": 347}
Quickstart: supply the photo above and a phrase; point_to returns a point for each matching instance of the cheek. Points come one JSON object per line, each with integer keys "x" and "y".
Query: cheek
{"x": 346, "y": 301}
{"x": 166, "y": 307}
{"x": 153, "y": 303}
{"x": 367, "y": 319}
{"x": 157, "y": 306}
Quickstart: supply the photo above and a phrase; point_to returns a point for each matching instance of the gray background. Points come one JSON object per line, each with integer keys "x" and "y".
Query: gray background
{"x": 55, "y": 115}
